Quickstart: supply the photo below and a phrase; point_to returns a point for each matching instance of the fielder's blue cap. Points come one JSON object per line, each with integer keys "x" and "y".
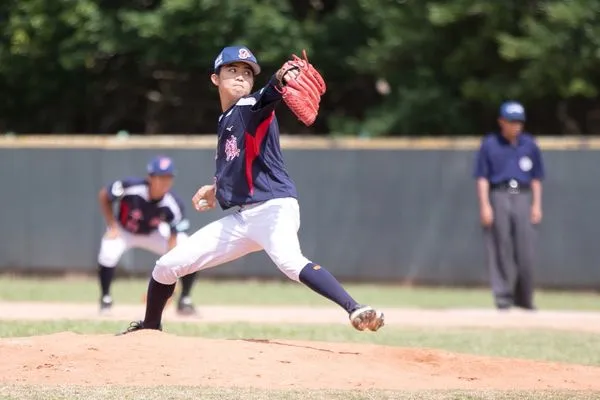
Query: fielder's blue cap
{"x": 161, "y": 166}
{"x": 233, "y": 54}
{"x": 512, "y": 111}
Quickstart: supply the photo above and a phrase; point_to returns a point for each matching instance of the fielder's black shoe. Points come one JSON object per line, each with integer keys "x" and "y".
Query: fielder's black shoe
{"x": 135, "y": 326}
{"x": 185, "y": 306}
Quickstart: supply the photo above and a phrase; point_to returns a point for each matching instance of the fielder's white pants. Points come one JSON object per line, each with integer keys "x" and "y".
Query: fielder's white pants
{"x": 271, "y": 226}
{"x": 157, "y": 242}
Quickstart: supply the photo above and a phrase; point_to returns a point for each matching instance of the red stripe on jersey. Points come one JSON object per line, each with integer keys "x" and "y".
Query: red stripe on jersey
{"x": 252, "y": 144}
{"x": 123, "y": 213}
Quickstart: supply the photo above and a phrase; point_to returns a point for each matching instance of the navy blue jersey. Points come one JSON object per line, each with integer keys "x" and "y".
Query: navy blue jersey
{"x": 499, "y": 161}
{"x": 140, "y": 215}
{"x": 250, "y": 165}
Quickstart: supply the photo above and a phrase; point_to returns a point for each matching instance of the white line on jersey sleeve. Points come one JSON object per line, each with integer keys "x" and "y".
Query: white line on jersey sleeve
{"x": 170, "y": 202}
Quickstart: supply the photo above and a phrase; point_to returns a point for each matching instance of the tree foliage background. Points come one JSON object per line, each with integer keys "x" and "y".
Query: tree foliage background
{"x": 393, "y": 67}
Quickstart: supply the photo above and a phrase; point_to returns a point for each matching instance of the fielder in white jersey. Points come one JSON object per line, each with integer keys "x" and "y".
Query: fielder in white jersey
{"x": 251, "y": 178}
{"x": 150, "y": 216}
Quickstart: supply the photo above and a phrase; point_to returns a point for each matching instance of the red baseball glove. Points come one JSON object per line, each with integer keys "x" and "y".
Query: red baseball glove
{"x": 303, "y": 87}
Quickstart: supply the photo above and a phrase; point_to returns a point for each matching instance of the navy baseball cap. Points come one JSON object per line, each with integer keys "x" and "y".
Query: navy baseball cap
{"x": 233, "y": 54}
{"x": 512, "y": 111}
{"x": 161, "y": 166}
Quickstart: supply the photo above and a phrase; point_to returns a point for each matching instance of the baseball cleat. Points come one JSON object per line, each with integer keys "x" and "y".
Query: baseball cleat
{"x": 185, "y": 306}
{"x": 366, "y": 317}
{"x": 135, "y": 326}
{"x": 105, "y": 304}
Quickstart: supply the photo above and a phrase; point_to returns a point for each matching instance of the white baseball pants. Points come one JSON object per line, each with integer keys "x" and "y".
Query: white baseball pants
{"x": 271, "y": 226}
{"x": 111, "y": 250}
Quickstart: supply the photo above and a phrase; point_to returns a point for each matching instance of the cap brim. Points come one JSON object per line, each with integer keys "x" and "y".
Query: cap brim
{"x": 518, "y": 118}
{"x": 255, "y": 67}
{"x": 162, "y": 173}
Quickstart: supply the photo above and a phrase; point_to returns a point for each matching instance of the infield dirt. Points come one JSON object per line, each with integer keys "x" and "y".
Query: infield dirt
{"x": 150, "y": 358}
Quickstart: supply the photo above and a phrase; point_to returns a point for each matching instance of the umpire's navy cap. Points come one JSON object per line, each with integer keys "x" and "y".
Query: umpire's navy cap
{"x": 512, "y": 111}
{"x": 161, "y": 166}
{"x": 233, "y": 54}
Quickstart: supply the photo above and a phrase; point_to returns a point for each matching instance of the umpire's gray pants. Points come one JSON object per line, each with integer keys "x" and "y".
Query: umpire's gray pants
{"x": 510, "y": 249}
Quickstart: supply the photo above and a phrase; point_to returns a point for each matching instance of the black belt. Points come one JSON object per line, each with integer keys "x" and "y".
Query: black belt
{"x": 512, "y": 186}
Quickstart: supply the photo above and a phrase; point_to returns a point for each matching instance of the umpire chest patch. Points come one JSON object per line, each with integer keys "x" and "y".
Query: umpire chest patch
{"x": 525, "y": 164}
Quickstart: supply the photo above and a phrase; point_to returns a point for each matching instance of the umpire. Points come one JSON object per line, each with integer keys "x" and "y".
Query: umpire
{"x": 509, "y": 170}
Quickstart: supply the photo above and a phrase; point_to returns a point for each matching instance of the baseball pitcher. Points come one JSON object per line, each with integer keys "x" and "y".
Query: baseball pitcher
{"x": 251, "y": 178}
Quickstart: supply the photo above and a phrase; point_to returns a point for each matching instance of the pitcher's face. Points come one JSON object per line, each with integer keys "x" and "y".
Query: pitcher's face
{"x": 234, "y": 80}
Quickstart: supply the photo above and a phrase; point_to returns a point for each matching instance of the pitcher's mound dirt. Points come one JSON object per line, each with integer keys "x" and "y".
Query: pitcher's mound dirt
{"x": 155, "y": 358}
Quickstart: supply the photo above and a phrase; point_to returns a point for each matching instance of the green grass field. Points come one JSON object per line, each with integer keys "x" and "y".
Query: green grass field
{"x": 281, "y": 293}
{"x": 549, "y": 345}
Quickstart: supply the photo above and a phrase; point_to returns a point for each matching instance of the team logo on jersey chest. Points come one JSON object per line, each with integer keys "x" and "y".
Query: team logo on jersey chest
{"x": 231, "y": 148}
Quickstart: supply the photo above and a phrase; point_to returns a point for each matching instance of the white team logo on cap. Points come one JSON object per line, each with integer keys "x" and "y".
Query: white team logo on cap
{"x": 164, "y": 163}
{"x": 244, "y": 53}
{"x": 515, "y": 109}
{"x": 525, "y": 163}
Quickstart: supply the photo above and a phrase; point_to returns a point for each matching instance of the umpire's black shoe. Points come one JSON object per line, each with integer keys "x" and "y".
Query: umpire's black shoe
{"x": 503, "y": 304}
{"x": 136, "y": 326}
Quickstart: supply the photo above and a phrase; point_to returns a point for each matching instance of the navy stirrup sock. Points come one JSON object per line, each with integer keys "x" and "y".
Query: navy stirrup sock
{"x": 158, "y": 294}
{"x": 321, "y": 281}
{"x": 105, "y": 274}
{"x": 187, "y": 282}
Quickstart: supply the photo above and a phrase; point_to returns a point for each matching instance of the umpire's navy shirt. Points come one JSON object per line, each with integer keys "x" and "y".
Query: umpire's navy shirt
{"x": 500, "y": 161}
